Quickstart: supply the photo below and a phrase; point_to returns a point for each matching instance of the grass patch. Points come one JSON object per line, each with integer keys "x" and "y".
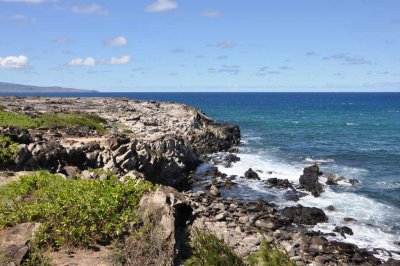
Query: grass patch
{"x": 17, "y": 120}
{"x": 269, "y": 254}
{"x": 53, "y": 119}
{"x": 72, "y": 212}
{"x": 73, "y": 119}
{"x": 207, "y": 249}
{"x": 8, "y": 150}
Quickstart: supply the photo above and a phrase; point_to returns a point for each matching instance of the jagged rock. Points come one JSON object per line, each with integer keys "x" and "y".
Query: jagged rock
{"x": 342, "y": 230}
{"x": 250, "y": 174}
{"x": 353, "y": 181}
{"x": 305, "y": 215}
{"x": 14, "y": 241}
{"x": 309, "y": 180}
{"x": 167, "y": 211}
{"x": 214, "y": 191}
{"x": 279, "y": 183}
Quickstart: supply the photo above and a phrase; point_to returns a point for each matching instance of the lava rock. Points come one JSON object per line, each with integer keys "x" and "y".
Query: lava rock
{"x": 342, "y": 230}
{"x": 305, "y": 215}
{"x": 250, "y": 174}
{"x": 309, "y": 180}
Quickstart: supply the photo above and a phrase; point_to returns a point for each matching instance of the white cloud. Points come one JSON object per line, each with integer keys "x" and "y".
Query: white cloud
{"x": 13, "y": 61}
{"x": 226, "y": 44}
{"x": 125, "y": 59}
{"x": 92, "y": 9}
{"x": 161, "y": 6}
{"x": 118, "y": 41}
{"x": 212, "y": 14}
{"x": 26, "y": 1}
{"x": 89, "y": 61}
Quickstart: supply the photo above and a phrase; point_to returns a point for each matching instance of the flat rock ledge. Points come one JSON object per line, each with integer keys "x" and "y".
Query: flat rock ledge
{"x": 161, "y": 141}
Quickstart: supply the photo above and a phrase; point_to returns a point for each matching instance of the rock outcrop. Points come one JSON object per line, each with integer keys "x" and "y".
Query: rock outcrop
{"x": 304, "y": 215}
{"x": 309, "y": 180}
{"x": 164, "y": 142}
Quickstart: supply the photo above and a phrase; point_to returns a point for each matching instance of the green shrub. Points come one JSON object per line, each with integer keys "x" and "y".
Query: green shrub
{"x": 268, "y": 255}
{"x": 8, "y": 150}
{"x": 17, "y": 120}
{"x": 2, "y": 107}
{"x": 72, "y": 212}
{"x": 207, "y": 250}
{"x": 53, "y": 119}
{"x": 73, "y": 119}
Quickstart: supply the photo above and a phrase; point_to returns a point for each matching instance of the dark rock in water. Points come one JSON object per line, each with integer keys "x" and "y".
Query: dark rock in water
{"x": 391, "y": 262}
{"x": 225, "y": 159}
{"x": 250, "y": 174}
{"x": 294, "y": 195}
{"x": 305, "y": 215}
{"x": 349, "y": 219}
{"x": 342, "y": 230}
{"x": 331, "y": 208}
{"x": 309, "y": 180}
{"x": 279, "y": 183}
{"x": 332, "y": 179}
{"x": 354, "y": 181}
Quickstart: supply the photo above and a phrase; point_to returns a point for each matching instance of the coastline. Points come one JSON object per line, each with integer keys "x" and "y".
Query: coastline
{"x": 166, "y": 142}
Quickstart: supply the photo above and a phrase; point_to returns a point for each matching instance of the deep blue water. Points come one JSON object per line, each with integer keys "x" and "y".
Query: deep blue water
{"x": 352, "y": 134}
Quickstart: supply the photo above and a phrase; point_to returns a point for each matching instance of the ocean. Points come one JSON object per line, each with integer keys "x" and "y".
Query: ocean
{"x": 356, "y": 135}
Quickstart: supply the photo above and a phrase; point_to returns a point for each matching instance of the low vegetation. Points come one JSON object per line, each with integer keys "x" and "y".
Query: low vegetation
{"x": 207, "y": 249}
{"x": 72, "y": 212}
{"x": 269, "y": 254}
{"x": 53, "y": 119}
{"x": 8, "y": 150}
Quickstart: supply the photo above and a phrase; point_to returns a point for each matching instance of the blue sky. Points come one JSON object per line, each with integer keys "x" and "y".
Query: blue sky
{"x": 192, "y": 45}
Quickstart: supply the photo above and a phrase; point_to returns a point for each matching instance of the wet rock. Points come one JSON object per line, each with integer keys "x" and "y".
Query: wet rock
{"x": 304, "y": 215}
{"x": 279, "y": 183}
{"x": 331, "y": 208}
{"x": 309, "y": 180}
{"x": 250, "y": 174}
{"x": 342, "y": 230}
{"x": 349, "y": 219}
{"x": 353, "y": 181}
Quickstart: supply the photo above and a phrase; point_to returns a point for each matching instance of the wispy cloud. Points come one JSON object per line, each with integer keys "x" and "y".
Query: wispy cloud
{"x": 118, "y": 41}
{"x": 26, "y": 1}
{"x": 89, "y": 61}
{"x": 178, "y": 50}
{"x": 20, "y": 61}
{"x": 212, "y": 14}
{"x": 62, "y": 40}
{"x": 226, "y": 44}
{"x": 20, "y": 19}
{"x": 349, "y": 59}
{"x": 125, "y": 59}
{"x": 92, "y": 9}
{"x": 228, "y": 69}
{"x": 161, "y": 6}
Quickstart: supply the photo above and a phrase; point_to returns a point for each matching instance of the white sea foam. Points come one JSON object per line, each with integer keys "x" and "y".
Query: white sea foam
{"x": 352, "y": 124}
{"x": 311, "y": 160}
{"x": 373, "y": 229}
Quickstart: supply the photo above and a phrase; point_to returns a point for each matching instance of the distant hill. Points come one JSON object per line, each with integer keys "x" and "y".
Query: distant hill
{"x": 18, "y": 88}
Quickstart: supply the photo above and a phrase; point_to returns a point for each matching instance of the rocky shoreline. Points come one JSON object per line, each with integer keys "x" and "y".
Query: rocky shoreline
{"x": 165, "y": 143}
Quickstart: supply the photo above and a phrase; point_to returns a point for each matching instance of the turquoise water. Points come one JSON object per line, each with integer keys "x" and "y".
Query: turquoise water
{"x": 352, "y": 134}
